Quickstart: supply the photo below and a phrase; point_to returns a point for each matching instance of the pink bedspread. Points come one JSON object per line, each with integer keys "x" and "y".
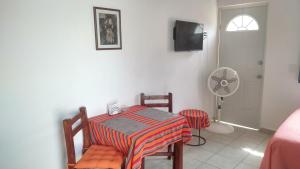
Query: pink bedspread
{"x": 283, "y": 150}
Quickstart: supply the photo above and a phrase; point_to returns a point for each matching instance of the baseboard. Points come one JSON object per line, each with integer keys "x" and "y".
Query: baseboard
{"x": 267, "y": 131}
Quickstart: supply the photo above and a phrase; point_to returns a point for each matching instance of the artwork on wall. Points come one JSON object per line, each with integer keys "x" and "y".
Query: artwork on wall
{"x": 107, "y": 28}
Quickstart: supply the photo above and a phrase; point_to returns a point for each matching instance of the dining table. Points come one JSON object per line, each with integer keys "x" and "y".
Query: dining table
{"x": 140, "y": 131}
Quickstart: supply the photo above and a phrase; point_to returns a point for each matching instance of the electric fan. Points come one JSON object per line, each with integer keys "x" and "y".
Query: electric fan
{"x": 222, "y": 82}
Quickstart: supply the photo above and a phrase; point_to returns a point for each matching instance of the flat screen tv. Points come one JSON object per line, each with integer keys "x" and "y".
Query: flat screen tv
{"x": 188, "y": 36}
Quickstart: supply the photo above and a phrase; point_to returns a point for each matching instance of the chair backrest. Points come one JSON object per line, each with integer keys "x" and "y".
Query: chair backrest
{"x": 71, "y": 131}
{"x": 168, "y": 97}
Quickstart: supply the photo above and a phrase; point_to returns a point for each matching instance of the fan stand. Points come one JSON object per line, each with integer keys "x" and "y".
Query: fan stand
{"x": 216, "y": 126}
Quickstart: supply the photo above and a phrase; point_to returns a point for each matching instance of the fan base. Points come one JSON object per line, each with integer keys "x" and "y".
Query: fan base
{"x": 217, "y": 127}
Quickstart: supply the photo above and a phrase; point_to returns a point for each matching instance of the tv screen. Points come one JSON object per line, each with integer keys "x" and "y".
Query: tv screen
{"x": 188, "y": 36}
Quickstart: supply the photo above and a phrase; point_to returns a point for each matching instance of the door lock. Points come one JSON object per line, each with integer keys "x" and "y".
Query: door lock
{"x": 259, "y": 76}
{"x": 260, "y": 62}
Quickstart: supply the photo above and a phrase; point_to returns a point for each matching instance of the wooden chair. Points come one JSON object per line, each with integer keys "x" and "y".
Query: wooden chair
{"x": 93, "y": 156}
{"x": 168, "y": 105}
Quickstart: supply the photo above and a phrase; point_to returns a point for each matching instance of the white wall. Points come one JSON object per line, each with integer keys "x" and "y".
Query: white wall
{"x": 49, "y": 67}
{"x": 281, "y": 95}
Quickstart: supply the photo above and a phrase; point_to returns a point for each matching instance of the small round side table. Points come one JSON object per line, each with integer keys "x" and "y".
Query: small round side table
{"x": 196, "y": 119}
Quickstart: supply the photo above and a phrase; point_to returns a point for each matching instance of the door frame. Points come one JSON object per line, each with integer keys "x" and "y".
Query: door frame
{"x": 219, "y": 22}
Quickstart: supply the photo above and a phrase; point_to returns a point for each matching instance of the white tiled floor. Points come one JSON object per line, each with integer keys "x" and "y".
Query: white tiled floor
{"x": 242, "y": 149}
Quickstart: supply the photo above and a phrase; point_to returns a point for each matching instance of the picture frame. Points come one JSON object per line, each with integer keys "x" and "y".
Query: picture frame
{"x": 107, "y": 24}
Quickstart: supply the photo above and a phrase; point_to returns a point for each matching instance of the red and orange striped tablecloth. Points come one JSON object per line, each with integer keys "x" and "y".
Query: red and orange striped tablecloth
{"x": 139, "y": 132}
{"x": 196, "y": 119}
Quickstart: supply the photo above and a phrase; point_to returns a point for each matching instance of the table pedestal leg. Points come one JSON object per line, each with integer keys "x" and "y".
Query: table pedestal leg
{"x": 199, "y": 140}
{"x": 178, "y": 155}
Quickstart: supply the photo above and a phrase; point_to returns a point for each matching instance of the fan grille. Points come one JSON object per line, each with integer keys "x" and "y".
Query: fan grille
{"x": 223, "y": 82}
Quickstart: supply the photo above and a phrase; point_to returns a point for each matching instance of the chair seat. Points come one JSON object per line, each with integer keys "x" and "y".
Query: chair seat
{"x": 101, "y": 156}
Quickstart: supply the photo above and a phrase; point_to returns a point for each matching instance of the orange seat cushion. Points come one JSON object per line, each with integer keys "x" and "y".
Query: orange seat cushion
{"x": 101, "y": 156}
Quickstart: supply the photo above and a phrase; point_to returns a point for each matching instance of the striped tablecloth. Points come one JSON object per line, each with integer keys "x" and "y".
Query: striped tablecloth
{"x": 197, "y": 119}
{"x": 139, "y": 132}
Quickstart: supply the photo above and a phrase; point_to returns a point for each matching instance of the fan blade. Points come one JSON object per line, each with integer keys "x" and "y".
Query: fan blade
{"x": 215, "y": 78}
{"x": 232, "y": 80}
{"x": 224, "y": 73}
{"x": 217, "y": 87}
{"x": 227, "y": 89}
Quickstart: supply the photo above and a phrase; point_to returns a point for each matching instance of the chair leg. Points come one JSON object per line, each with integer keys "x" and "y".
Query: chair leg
{"x": 169, "y": 150}
{"x": 71, "y": 166}
{"x": 123, "y": 164}
{"x": 143, "y": 163}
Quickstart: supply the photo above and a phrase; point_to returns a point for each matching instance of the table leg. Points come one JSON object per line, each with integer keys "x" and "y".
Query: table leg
{"x": 143, "y": 163}
{"x": 178, "y": 155}
{"x": 199, "y": 139}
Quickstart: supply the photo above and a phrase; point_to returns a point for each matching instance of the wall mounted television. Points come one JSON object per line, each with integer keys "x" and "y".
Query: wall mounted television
{"x": 188, "y": 36}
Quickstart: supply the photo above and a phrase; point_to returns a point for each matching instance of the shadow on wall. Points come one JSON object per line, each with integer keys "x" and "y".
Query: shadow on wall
{"x": 171, "y": 25}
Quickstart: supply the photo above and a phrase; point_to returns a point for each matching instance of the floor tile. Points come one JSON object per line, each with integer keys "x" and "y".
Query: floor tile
{"x": 223, "y": 139}
{"x": 260, "y": 148}
{"x": 151, "y": 164}
{"x": 245, "y": 166}
{"x": 213, "y": 147}
{"x": 242, "y": 149}
{"x": 187, "y": 148}
{"x": 197, "y": 154}
{"x": 253, "y": 160}
{"x": 222, "y": 162}
{"x": 236, "y": 153}
{"x": 191, "y": 164}
{"x": 265, "y": 142}
{"x": 254, "y": 139}
{"x": 244, "y": 142}
{"x": 206, "y": 166}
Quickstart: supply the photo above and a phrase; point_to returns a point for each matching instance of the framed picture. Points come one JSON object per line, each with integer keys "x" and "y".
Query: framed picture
{"x": 107, "y": 28}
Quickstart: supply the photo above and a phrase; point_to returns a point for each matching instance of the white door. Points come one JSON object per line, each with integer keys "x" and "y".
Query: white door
{"x": 242, "y": 46}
